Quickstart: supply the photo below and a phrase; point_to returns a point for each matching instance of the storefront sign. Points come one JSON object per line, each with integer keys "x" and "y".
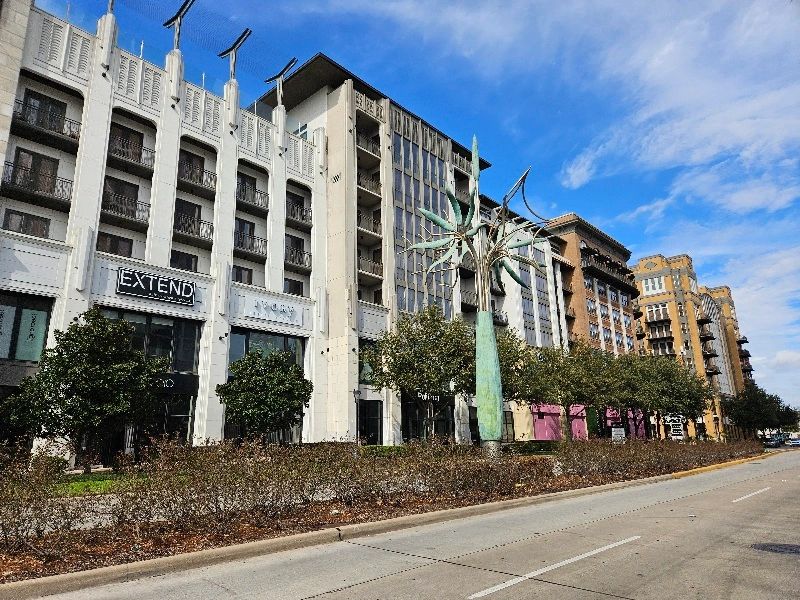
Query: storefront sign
{"x": 158, "y": 287}
{"x": 674, "y": 425}
{"x": 279, "y": 312}
{"x": 176, "y": 383}
{"x": 617, "y": 433}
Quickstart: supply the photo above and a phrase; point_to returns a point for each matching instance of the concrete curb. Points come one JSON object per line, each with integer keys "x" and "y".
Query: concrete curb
{"x": 70, "y": 582}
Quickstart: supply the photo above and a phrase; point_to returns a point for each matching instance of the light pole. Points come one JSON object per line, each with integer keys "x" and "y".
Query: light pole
{"x": 357, "y": 398}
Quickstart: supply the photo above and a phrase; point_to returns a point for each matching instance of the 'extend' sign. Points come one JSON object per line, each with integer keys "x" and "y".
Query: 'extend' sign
{"x": 157, "y": 287}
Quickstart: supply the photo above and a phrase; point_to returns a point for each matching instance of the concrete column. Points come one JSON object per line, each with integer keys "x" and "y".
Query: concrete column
{"x": 14, "y": 15}
{"x": 276, "y": 220}
{"x": 87, "y": 188}
{"x": 162, "y": 195}
{"x": 213, "y": 359}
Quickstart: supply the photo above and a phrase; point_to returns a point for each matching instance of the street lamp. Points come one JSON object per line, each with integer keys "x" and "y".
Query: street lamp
{"x": 357, "y": 399}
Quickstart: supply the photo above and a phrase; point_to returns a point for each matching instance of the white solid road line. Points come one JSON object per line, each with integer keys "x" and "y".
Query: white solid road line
{"x": 532, "y": 574}
{"x": 748, "y": 495}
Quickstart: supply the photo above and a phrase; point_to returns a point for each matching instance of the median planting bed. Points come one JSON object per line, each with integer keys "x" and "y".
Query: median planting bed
{"x": 183, "y": 499}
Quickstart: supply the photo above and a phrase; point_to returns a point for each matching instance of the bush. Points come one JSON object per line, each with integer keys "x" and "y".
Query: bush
{"x": 532, "y": 447}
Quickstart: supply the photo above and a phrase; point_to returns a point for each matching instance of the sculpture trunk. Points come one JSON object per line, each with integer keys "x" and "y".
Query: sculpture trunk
{"x": 488, "y": 388}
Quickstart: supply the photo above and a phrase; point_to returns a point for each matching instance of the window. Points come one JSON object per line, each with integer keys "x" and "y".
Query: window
{"x": 603, "y": 310}
{"x": 588, "y": 283}
{"x": 302, "y": 131}
{"x": 244, "y": 234}
{"x": 120, "y": 197}
{"x": 188, "y": 209}
{"x": 612, "y": 294}
{"x": 601, "y": 288}
{"x": 125, "y": 142}
{"x": 189, "y": 163}
{"x": 35, "y": 172}
{"x": 653, "y": 285}
{"x": 623, "y": 299}
{"x": 44, "y": 111}
{"x": 242, "y": 274}
{"x": 27, "y": 224}
{"x": 606, "y": 334}
{"x": 183, "y": 261}
{"x": 243, "y": 341}
{"x": 114, "y": 244}
{"x": 657, "y": 311}
{"x": 245, "y": 187}
{"x": 292, "y": 286}
{"x": 23, "y": 326}
{"x": 616, "y": 316}
{"x": 295, "y": 243}
{"x": 594, "y": 331}
{"x": 508, "y": 426}
{"x": 175, "y": 339}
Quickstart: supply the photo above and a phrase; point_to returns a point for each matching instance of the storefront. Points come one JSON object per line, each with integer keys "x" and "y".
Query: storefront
{"x": 24, "y": 322}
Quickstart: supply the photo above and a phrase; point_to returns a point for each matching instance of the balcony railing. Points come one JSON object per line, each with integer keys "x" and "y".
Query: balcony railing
{"x": 499, "y": 317}
{"x": 468, "y": 262}
{"x": 297, "y": 211}
{"x": 369, "y": 184}
{"x": 703, "y": 319}
{"x": 657, "y": 316}
{"x": 712, "y": 369}
{"x": 125, "y": 206}
{"x": 593, "y": 264}
{"x": 130, "y": 151}
{"x": 298, "y": 257}
{"x": 462, "y": 195}
{"x": 747, "y": 367}
{"x": 250, "y": 243}
{"x": 640, "y": 334}
{"x": 197, "y": 228}
{"x": 660, "y": 335}
{"x": 368, "y": 223}
{"x": 742, "y": 340}
{"x": 368, "y": 144}
{"x": 372, "y": 107}
{"x": 469, "y": 298}
{"x": 706, "y": 333}
{"x": 45, "y": 119}
{"x": 199, "y": 177}
{"x": 461, "y": 162}
{"x": 371, "y": 267}
{"x": 33, "y": 181}
{"x": 247, "y": 194}
{"x": 570, "y": 313}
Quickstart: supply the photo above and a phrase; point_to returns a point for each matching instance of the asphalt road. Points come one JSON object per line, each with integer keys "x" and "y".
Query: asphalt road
{"x": 687, "y": 538}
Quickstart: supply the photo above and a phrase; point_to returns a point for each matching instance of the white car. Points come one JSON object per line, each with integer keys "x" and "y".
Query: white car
{"x": 794, "y": 442}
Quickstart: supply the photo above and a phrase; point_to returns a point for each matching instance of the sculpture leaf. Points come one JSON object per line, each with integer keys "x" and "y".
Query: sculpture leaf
{"x": 434, "y": 218}
{"x": 431, "y": 245}
{"x": 514, "y": 275}
{"x": 455, "y": 204}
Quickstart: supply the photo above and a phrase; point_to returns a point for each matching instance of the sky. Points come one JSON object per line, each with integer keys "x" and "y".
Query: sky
{"x": 673, "y": 126}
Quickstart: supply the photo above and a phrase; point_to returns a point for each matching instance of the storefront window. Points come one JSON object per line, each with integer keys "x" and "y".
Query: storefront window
{"x": 23, "y": 326}
{"x": 243, "y": 341}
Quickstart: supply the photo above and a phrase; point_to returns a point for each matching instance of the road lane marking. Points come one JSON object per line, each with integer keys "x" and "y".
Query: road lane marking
{"x": 749, "y": 495}
{"x": 532, "y": 574}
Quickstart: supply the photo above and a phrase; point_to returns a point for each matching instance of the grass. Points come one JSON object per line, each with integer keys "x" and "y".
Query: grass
{"x": 93, "y": 483}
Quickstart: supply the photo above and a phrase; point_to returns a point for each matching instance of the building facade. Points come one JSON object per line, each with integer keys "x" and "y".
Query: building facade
{"x": 697, "y": 326}
{"x": 216, "y": 230}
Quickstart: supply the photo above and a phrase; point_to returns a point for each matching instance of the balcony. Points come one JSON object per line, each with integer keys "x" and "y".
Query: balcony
{"x": 252, "y": 200}
{"x": 703, "y": 319}
{"x": 249, "y": 247}
{"x": 566, "y": 288}
{"x": 193, "y": 231}
{"x": 124, "y": 211}
{"x": 369, "y": 106}
{"x": 706, "y": 334}
{"x": 742, "y": 340}
{"x": 469, "y": 301}
{"x": 640, "y": 334}
{"x": 500, "y": 318}
{"x": 660, "y": 335}
{"x": 128, "y": 156}
{"x": 298, "y": 260}
{"x": 31, "y": 185}
{"x": 298, "y": 214}
{"x": 368, "y": 145}
{"x": 462, "y": 195}
{"x": 744, "y": 353}
{"x": 196, "y": 181}
{"x": 366, "y": 183}
{"x": 658, "y": 317}
{"x": 747, "y": 367}
{"x": 467, "y": 266}
{"x": 709, "y": 351}
{"x": 636, "y": 309}
{"x": 712, "y": 369}
{"x": 605, "y": 269}
{"x": 570, "y": 313}
{"x": 371, "y": 269}
{"x": 41, "y": 125}
{"x": 462, "y": 163}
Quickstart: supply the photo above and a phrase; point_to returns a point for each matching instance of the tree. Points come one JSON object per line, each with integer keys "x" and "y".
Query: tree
{"x": 266, "y": 393}
{"x": 753, "y": 409}
{"x": 788, "y": 418}
{"x": 88, "y": 387}
{"x": 426, "y": 358}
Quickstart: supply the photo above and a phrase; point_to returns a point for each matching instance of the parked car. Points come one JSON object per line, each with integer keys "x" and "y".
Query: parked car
{"x": 795, "y": 442}
{"x": 772, "y": 442}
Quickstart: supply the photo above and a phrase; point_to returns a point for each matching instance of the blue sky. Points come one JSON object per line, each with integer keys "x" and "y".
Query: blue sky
{"x": 674, "y": 126}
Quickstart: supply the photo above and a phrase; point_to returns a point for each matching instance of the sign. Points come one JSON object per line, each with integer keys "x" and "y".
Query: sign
{"x": 157, "y": 287}
{"x": 674, "y": 425}
{"x": 176, "y": 383}
{"x": 617, "y": 433}
{"x": 280, "y": 312}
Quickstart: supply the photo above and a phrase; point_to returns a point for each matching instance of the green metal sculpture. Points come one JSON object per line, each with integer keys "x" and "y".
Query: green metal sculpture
{"x": 490, "y": 240}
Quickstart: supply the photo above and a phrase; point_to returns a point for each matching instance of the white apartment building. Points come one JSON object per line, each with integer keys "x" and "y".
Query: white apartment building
{"x": 216, "y": 230}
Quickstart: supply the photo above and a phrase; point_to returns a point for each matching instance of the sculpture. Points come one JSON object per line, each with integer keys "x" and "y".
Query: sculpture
{"x": 490, "y": 242}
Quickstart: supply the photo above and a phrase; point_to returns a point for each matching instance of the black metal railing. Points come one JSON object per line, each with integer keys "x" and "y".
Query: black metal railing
{"x": 469, "y": 298}
{"x": 298, "y": 257}
{"x": 499, "y": 317}
{"x": 252, "y": 196}
{"x": 125, "y": 206}
{"x": 200, "y": 177}
{"x": 365, "y": 181}
{"x": 46, "y": 119}
{"x": 131, "y": 151}
{"x": 365, "y": 265}
{"x": 189, "y": 225}
{"x": 368, "y": 223}
{"x": 370, "y": 145}
{"x": 250, "y": 243}
{"x": 706, "y": 333}
{"x": 709, "y": 350}
{"x": 297, "y": 211}
{"x": 34, "y": 181}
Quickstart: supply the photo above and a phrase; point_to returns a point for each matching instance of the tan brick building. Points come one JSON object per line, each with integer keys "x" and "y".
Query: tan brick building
{"x": 697, "y": 326}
